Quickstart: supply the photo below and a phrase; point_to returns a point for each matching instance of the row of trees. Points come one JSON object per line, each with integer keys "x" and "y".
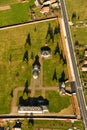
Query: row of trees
{"x": 61, "y": 79}
{"x": 50, "y": 33}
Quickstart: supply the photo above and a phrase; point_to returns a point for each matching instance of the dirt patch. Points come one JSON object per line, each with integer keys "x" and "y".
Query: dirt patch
{"x": 75, "y": 105}
{"x": 23, "y": 1}
{"x": 5, "y": 7}
{"x": 67, "y": 111}
{"x": 65, "y": 50}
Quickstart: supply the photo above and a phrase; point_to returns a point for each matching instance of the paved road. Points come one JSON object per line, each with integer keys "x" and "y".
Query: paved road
{"x": 78, "y": 86}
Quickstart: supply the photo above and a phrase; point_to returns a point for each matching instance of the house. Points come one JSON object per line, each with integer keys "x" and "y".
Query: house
{"x": 35, "y": 71}
{"x": 45, "y": 9}
{"x": 45, "y": 51}
{"x": 84, "y": 66}
{"x": 36, "y": 68}
{"x": 46, "y": 2}
{"x": 55, "y": 5}
{"x": 34, "y": 105}
{"x": 85, "y": 53}
{"x": 37, "y": 2}
{"x": 53, "y": 1}
{"x": 62, "y": 87}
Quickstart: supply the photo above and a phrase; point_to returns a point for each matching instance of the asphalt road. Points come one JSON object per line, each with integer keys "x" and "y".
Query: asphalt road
{"x": 78, "y": 86}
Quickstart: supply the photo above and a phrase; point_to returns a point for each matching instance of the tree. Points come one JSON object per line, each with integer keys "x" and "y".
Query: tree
{"x": 78, "y": 17}
{"x": 10, "y": 58}
{"x": 73, "y": 15}
{"x": 76, "y": 43}
{"x": 35, "y": 29}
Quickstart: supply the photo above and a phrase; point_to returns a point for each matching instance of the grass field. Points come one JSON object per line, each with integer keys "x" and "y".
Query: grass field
{"x": 81, "y": 35}
{"x": 48, "y": 125}
{"x": 38, "y": 93}
{"x": 49, "y": 67}
{"x": 21, "y": 12}
{"x": 78, "y": 6}
{"x": 57, "y": 102}
{"x": 18, "y": 13}
{"x": 14, "y": 71}
{"x": 52, "y": 64}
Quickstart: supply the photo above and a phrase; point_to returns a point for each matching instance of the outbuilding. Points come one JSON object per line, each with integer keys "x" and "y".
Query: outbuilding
{"x": 45, "y": 51}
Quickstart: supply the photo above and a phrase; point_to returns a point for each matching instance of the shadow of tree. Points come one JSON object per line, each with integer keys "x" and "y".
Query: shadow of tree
{"x": 28, "y": 40}
{"x": 33, "y": 101}
{"x": 32, "y": 55}
{"x": 31, "y": 120}
{"x": 50, "y": 33}
{"x": 10, "y": 58}
{"x": 54, "y": 75}
{"x": 26, "y": 90}
{"x": 35, "y": 29}
{"x": 17, "y": 124}
{"x": 57, "y": 30}
{"x": 21, "y": 100}
{"x": 11, "y": 93}
{"x": 62, "y": 79}
{"x": 57, "y": 50}
{"x": 63, "y": 58}
{"x": 36, "y": 61}
{"x": 25, "y": 57}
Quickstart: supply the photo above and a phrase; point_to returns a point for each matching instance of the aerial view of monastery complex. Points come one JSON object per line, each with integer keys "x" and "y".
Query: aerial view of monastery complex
{"x": 43, "y": 65}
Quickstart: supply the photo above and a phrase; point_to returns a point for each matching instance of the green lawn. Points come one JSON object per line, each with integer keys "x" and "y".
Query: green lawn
{"x": 21, "y": 12}
{"x": 81, "y": 35}
{"x": 38, "y": 93}
{"x": 78, "y": 6}
{"x": 18, "y": 13}
{"x": 46, "y": 124}
{"x": 55, "y": 62}
{"x": 49, "y": 67}
{"x": 57, "y": 102}
{"x": 14, "y": 71}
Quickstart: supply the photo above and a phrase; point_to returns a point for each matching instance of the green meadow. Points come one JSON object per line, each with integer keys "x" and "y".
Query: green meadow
{"x": 78, "y": 6}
